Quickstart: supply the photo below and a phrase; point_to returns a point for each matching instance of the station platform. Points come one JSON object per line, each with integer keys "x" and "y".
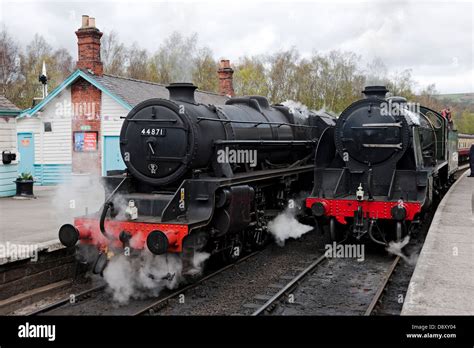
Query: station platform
{"x": 443, "y": 280}
{"x": 29, "y": 226}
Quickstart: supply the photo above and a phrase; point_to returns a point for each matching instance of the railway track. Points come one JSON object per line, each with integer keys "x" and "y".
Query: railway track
{"x": 380, "y": 291}
{"x": 161, "y": 302}
{"x": 288, "y": 287}
{"x": 148, "y": 306}
{"x": 384, "y": 268}
{"x": 69, "y": 300}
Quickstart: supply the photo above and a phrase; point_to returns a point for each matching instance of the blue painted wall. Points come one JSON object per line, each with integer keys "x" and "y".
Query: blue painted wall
{"x": 112, "y": 158}
{"x": 8, "y": 174}
{"x": 52, "y": 174}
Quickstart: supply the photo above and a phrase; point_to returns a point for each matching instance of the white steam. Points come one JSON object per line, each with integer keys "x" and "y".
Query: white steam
{"x": 299, "y": 108}
{"x": 285, "y": 226}
{"x": 147, "y": 275}
{"x": 79, "y": 195}
{"x": 296, "y": 107}
{"x": 395, "y": 248}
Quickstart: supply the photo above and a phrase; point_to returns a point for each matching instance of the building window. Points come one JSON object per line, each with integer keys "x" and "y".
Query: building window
{"x": 48, "y": 127}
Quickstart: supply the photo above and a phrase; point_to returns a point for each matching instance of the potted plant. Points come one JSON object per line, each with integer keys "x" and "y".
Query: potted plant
{"x": 24, "y": 185}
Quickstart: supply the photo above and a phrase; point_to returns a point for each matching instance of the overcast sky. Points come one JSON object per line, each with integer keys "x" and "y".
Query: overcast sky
{"x": 433, "y": 38}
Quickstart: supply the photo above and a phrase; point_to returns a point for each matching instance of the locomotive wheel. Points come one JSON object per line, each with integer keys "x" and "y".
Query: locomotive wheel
{"x": 334, "y": 231}
{"x": 100, "y": 263}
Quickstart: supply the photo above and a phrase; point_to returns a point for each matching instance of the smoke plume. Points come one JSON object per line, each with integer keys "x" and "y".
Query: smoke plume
{"x": 147, "y": 275}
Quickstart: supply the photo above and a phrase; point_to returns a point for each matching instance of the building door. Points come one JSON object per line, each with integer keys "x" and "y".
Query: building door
{"x": 26, "y": 148}
{"x": 112, "y": 157}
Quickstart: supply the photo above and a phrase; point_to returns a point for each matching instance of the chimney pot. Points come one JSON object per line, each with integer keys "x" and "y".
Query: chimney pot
{"x": 92, "y": 22}
{"x": 225, "y": 63}
{"x": 85, "y": 21}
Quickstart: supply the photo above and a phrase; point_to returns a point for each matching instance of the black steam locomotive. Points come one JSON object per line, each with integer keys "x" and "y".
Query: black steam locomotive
{"x": 381, "y": 167}
{"x": 201, "y": 177}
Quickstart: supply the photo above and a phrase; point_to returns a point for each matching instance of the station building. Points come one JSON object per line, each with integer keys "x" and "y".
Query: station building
{"x": 8, "y": 147}
{"x": 76, "y": 128}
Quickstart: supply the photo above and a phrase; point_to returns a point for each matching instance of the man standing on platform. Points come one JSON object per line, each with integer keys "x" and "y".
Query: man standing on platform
{"x": 471, "y": 159}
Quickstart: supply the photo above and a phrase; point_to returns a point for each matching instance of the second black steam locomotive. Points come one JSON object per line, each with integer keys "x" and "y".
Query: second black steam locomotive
{"x": 201, "y": 177}
{"x": 381, "y": 167}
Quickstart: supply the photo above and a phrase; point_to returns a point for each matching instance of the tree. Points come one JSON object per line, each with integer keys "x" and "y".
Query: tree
{"x": 465, "y": 122}
{"x": 113, "y": 54}
{"x": 138, "y": 67}
{"x": 281, "y": 75}
{"x": 173, "y": 62}
{"x": 401, "y": 84}
{"x": 427, "y": 97}
{"x": 25, "y": 86}
{"x": 204, "y": 72}
{"x": 9, "y": 59}
{"x": 250, "y": 76}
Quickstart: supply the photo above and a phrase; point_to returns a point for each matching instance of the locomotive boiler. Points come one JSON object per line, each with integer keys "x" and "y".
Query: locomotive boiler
{"x": 201, "y": 177}
{"x": 380, "y": 167}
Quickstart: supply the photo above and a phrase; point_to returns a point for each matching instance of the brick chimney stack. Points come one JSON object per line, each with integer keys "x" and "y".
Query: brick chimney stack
{"x": 225, "y": 73}
{"x": 88, "y": 42}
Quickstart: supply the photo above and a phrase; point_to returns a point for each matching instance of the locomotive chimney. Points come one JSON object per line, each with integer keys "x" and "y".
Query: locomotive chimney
{"x": 375, "y": 91}
{"x": 182, "y": 91}
{"x": 225, "y": 73}
{"x": 88, "y": 43}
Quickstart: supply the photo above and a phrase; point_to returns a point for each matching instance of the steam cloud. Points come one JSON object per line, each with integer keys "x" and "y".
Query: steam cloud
{"x": 395, "y": 248}
{"x": 285, "y": 226}
{"x": 147, "y": 275}
{"x": 78, "y": 195}
{"x": 296, "y": 106}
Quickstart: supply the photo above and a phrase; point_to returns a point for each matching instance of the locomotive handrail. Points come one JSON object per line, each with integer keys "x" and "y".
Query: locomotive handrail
{"x": 369, "y": 125}
{"x": 385, "y": 146}
{"x": 257, "y": 123}
{"x": 151, "y": 120}
{"x": 265, "y": 142}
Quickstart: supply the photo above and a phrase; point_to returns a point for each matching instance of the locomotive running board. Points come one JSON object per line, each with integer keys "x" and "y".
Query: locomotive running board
{"x": 189, "y": 206}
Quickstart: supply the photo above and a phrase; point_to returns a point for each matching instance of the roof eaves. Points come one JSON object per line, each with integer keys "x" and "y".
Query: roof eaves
{"x": 76, "y": 74}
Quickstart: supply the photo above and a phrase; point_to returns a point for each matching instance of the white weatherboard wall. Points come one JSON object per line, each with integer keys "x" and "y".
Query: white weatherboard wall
{"x": 8, "y": 141}
{"x": 111, "y": 116}
{"x": 53, "y": 150}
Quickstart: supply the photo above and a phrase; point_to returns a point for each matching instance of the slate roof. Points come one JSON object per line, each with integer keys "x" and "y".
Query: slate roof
{"x": 7, "y": 105}
{"x": 135, "y": 91}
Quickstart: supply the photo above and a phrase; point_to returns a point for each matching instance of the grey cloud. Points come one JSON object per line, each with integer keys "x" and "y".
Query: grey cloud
{"x": 434, "y": 39}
